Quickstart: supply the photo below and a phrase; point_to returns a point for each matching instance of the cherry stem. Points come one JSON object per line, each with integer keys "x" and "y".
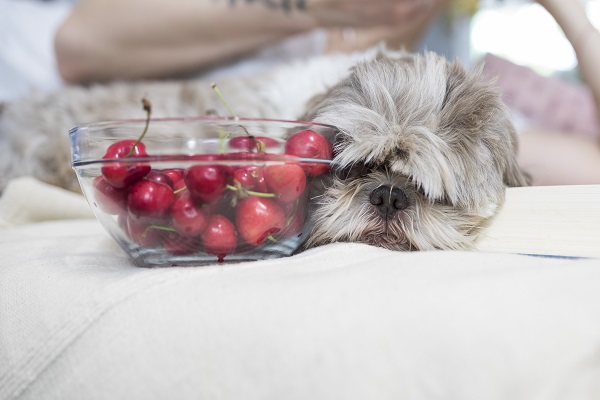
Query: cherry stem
{"x": 222, "y": 98}
{"x": 148, "y": 108}
{"x": 250, "y": 192}
{"x": 292, "y": 214}
{"x": 159, "y": 227}
{"x": 218, "y": 92}
{"x": 180, "y": 190}
{"x": 223, "y": 135}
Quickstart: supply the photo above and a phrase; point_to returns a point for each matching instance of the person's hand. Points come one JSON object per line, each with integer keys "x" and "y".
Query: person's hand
{"x": 403, "y": 35}
{"x": 365, "y": 13}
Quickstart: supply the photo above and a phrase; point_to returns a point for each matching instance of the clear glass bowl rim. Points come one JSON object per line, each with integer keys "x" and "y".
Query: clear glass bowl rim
{"x": 99, "y": 125}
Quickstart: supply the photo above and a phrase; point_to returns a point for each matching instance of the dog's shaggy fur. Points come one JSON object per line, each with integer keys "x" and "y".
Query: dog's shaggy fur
{"x": 424, "y": 147}
{"x": 435, "y": 136}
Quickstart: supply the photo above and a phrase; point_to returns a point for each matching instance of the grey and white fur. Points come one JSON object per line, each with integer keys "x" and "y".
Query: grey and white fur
{"x": 423, "y": 151}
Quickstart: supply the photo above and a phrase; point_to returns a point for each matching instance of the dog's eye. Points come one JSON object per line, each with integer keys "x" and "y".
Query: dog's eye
{"x": 439, "y": 201}
{"x": 340, "y": 142}
{"x": 353, "y": 171}
{"x": 402, "y": 154}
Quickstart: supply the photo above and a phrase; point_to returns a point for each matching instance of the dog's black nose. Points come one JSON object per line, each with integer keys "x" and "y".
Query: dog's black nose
{"x": 388, "y": 199}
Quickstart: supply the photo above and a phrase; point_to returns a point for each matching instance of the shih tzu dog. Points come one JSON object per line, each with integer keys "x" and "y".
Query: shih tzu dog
{"x": 424, "y": 152}
{"x": 424, "y": 147}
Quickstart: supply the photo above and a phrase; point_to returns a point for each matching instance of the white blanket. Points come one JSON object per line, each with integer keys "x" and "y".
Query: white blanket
{"x": 347, "y": 321}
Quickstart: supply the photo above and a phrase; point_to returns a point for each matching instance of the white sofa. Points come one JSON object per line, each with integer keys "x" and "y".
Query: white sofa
{"x": 346, "y": 321}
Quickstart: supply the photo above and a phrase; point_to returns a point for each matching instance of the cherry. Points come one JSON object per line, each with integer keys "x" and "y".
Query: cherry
{"x": 122, "y": 174}
{"x": 160, "y": 177}
{"x": 144, "y": 233}
{"x": 179, "y": 185}
{"x": 244, "y": 177}
{"x": 206, "y": 183}
{"x": 250, "y": 143}
{"x": 176, "y": 174}
{"x": 176, "y": 243}
{"x": 108, "y": 198}
{"x": 150, "y": 199}
{"x": 257, "y": 218}
{"x": 206, "y": 159}
{"x": 310, "y": 144}
{"x": 187, "y": 218}
{"x": 225, "y": 206}
{"x": 250, "y": 178}
{"x": 287, "y": 180}
{"x": 220, "y": 237}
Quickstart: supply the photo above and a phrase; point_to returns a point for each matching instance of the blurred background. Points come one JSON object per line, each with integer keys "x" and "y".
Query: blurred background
{"x": 525, "y": 27}
{"x": 519, "y": 31}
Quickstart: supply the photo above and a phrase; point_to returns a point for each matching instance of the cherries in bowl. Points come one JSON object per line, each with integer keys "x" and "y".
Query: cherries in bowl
{"x": 203, "y": 190}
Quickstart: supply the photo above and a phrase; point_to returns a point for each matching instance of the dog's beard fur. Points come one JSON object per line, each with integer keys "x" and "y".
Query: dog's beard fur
{"x": 343, "y": 213}
{"x": 433, "y": 134}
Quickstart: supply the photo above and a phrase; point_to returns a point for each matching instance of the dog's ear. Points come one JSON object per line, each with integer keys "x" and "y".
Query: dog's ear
{"x": 513, "y": 175}
{"x": 484, "y": 103}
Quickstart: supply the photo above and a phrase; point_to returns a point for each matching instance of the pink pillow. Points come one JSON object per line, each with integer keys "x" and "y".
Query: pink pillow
{"x": 545, "y": 102}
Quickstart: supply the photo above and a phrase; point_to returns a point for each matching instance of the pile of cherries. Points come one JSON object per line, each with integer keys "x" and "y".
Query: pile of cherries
{"x": 212, "y": 206}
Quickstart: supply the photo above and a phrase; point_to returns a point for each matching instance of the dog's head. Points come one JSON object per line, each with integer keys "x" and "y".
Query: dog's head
{"x": 424, "y": 151}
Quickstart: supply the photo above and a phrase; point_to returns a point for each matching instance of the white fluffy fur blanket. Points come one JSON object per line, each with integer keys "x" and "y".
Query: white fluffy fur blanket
{"x": 34, "y": 130}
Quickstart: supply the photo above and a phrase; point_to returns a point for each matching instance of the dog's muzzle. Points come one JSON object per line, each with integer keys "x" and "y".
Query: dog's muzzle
{"x": 388, "y": 200}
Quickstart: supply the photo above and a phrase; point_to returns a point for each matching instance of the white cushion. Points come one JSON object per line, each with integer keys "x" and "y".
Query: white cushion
{"x": 346, "y": 321}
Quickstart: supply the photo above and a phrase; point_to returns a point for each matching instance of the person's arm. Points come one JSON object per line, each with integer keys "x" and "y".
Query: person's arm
{"x": 585, "y": 39}
{"x": 404, "y": 35}
{"x": 123, "y": 39}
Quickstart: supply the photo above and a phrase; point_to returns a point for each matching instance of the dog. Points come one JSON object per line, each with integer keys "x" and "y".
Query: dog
{"x": 424, "y": 152}
{"x": 424, "y": 147}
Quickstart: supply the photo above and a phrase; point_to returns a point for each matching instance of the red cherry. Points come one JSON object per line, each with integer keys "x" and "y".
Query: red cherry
{"x": 179, "y": 185}
{"x": 176, "y": 243}
{"x": 220, "y": 237}
{"x": 206, "y": 158}
{"x": 122, "y": 174}
{"x": 258, "y": 217}
{"x": 244, "y": 177}
{"x": 176, "y": 174}
{"x": 206, "y": 183}
{"x": 225, "y": 206}
{"x": 310, "y": 144}
{"x": 252, "y": 143}
{"x": 108, "y": 198}
{"x": 251, "y": 178}
{"x": 150, "y": 199}
{"x": 288, "y": 181}
{"x": 161, "y": 177}
{"x": 143, "y": 233}
{"x": 187, "y": 218}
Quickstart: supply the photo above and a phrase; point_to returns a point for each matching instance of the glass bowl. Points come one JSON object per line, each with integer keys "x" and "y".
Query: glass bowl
{"x": 197, "y": 191}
